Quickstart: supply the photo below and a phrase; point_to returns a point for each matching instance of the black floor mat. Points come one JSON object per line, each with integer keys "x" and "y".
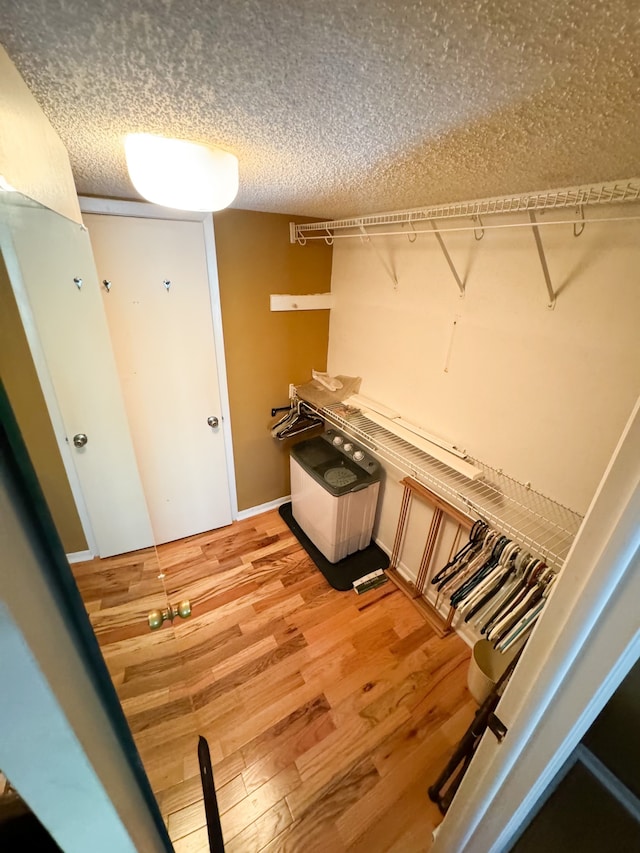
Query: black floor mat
{"x": 340, "y": 575}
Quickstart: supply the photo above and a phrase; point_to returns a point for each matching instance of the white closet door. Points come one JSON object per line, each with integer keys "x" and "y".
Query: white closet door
{"x": 163, "y": 341}
{"x": 74, "y": 338}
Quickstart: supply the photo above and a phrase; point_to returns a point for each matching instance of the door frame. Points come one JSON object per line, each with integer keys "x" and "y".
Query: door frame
{"x": 46, "y": 384}
{"x": 68, "y": 729}
{"x": 581, "y": 649}
{"x": 144, "y": 210}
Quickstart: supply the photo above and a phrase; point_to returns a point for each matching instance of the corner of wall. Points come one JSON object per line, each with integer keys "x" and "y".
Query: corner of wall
{"x": 32, "y": 157}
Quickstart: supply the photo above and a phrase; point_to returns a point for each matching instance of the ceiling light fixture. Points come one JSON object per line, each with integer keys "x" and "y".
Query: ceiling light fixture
{"x": 180, "y": 174}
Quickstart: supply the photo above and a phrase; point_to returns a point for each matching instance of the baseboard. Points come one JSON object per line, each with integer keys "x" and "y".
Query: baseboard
{"x": 258, "y": 510}
{"x": 80, "y": 556}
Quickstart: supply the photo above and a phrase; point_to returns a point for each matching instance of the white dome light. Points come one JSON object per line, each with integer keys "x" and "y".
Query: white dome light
{"x": 180, "y": 174}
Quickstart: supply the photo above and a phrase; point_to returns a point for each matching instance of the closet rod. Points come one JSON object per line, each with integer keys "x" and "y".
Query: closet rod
{"x": 626, "y": 190}
{"x": 303, "y": 239}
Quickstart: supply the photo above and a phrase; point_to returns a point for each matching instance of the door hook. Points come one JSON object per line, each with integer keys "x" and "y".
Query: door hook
{"x": 78, "y": 282}
{"x": 167, "y": 284}
{"x": 107, "y": 284}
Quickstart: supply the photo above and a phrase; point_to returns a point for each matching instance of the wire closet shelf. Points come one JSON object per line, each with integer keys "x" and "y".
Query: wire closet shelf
{"x": 539, "y": 524}
{"x": 627, "y": 190}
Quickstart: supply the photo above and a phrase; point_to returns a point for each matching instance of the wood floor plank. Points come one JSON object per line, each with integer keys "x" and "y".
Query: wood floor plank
{"x": 326, "y": 713}
{"x": 261, "y": 831}
{"x": 242, "y": 815}
{"x": 176, "y": 797}
{"x": 195, "y": 842}
{"x": 231, "y": 794}
{"x": 294, "y": 723}
{"x": 356, "y": 819}
{"x": 267, "y": 716}
{"x": 303, "y": 836}
{"x": 412, "y": 809}
{"x": 316, "y": 826}
{"x": 288, "y": 750}
{"x": 228, "y": 768}
{"x": 288, "y": 604}
{"x": 185, "y": 820}
{"x": 237, "y": 708}
{"x": 335, "y": 754}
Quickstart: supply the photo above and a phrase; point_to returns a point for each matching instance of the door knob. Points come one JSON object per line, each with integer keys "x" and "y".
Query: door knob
{"x": 80, "y": 439}
{"x": 212, "y": 421}
{"x": 156, "y": 618}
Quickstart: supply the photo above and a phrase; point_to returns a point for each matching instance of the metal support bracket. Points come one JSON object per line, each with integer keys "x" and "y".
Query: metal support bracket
{"x": 543, "y": 259}
{"x": 387, "y": 266}
{"x": 447, "y": 257}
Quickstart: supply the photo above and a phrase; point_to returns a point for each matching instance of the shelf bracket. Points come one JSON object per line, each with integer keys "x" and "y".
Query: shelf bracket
{"x": 387, "y": 266}
{"x": 447, "y": 257}
{"x": 543, "y": 259}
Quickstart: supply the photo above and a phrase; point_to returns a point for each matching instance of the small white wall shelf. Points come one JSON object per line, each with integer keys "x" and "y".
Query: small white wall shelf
{"x": 301, "y": 302}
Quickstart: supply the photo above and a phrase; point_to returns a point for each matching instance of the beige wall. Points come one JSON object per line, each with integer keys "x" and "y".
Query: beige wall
{"x": 543, "y": 394}
{"x": 32, "y": 157}
{"x": 265, "y": 350}
{"x": 24, "y": 392}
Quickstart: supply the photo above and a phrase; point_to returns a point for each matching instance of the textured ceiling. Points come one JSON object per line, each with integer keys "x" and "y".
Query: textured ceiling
{"x": 336, "y": 107}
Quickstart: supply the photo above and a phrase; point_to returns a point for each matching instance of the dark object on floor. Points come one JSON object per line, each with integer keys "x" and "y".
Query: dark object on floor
{"x": 444, "y": 788}
{"x": 370, "y": 581}
{"x": 342, "y": 574}
{"x": 214, "y": 829}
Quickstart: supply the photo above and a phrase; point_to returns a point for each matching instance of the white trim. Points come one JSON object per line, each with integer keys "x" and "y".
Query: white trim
{"x": 221, "y": 362}
{"x": 44, "y": 377}
{"x": 80, "y": 556}
{"x": 537, "y": 792}
{"x": 610, "y": 781}
{"x": 258, "y": 510}
{"x": 581, "y": 648}
{"x": 143, "y": 210}
{"x": 138, "y": 210}
{"x": 386, "y": 550}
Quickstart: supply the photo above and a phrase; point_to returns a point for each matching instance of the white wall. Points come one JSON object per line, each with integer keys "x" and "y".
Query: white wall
{"x": 58, "y": 747}
{"x": 584, "y": 644}
{"x": 32, "y": 157}
{"x": 542, "y": 394}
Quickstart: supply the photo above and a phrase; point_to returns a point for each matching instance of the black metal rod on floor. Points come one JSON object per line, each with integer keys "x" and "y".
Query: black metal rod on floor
{"x": 439, "y": 792}
{"x": 214, "y": 829}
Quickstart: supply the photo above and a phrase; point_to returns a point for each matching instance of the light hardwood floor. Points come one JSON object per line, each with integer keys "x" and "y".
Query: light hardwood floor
{"x": 327, "y": 714}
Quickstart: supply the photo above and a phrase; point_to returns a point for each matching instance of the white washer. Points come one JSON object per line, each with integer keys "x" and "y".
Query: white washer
{"x": 334, "y": 493}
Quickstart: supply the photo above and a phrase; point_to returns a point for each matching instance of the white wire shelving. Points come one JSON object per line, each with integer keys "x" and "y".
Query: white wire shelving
{"x": 376, "y": 225}
{"x": 541, "y": 525}
{"x": 627, "y": 190}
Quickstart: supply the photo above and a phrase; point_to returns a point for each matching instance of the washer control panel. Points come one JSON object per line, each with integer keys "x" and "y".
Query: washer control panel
{"x": 351, "y": 450}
